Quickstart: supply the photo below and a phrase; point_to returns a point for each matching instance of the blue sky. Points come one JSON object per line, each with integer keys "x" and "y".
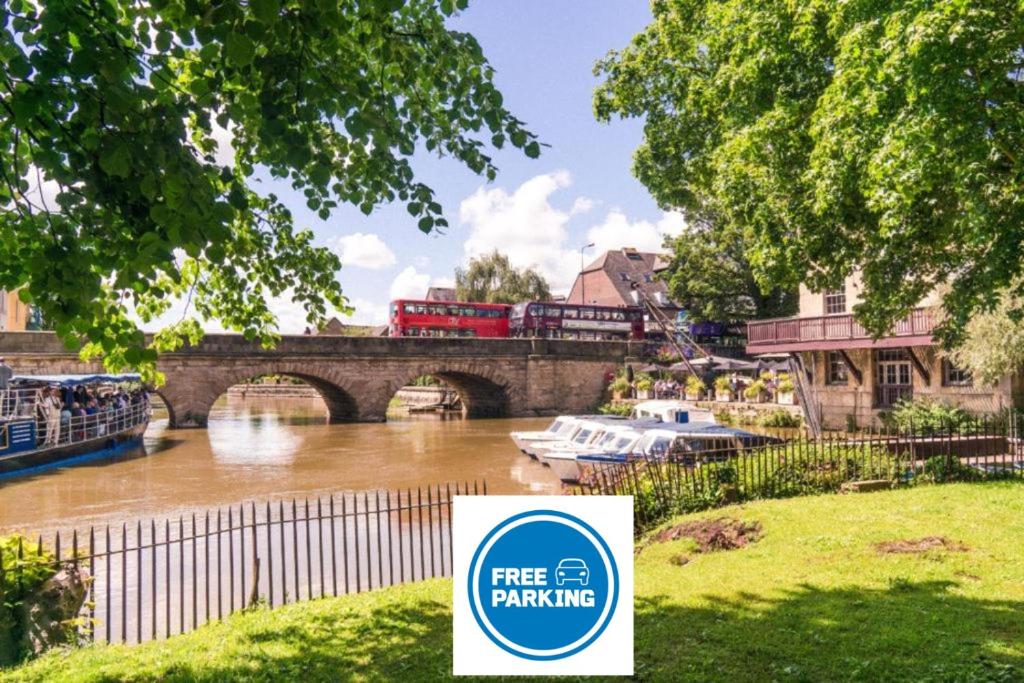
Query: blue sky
{"x": 538, "y": 211}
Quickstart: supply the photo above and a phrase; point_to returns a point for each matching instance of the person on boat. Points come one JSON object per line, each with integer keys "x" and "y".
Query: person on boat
{"x": 49, "y": 407}
{"x": 65, "y": 419}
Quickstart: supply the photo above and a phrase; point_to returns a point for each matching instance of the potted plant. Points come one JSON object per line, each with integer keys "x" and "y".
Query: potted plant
{"x": 644, "y": 385}
{"x": 620, "y": 388}
{"x": 754, "y": 391}
{"x": 784, "y": 393}
{"x": 694, "y": 387}
{"x": 723, "y": 388}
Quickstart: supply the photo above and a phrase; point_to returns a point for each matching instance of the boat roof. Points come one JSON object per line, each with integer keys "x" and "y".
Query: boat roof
{"x": 75, "y": 380}
{"x": 702, "y": 429}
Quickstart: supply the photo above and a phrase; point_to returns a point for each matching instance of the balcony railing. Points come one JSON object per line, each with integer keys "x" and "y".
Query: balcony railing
{"x": 843, "y": 327}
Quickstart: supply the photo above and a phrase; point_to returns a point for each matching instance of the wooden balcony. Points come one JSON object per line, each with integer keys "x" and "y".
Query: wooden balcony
{"x": 833, "y": 332}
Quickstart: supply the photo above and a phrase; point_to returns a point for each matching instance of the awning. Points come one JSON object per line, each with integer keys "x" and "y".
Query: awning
{"x": 75, "y": 380}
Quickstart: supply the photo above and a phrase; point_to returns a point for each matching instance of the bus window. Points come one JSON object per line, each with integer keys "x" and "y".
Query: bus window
{"x": 620, "y": 315}
{"x": 394, "y": 310}
{"x": 468, "y": 310}
{"x": 536, "y": 310}
{"x": 587, "y": 313}
{"x": 571, "y": 312}
{"x": 408, "y": 308}
{"x": 421, "y": 309}
{"x": 552, "y": 312}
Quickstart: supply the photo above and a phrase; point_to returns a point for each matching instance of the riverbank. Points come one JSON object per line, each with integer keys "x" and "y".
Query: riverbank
{"x": 813, "y": 596}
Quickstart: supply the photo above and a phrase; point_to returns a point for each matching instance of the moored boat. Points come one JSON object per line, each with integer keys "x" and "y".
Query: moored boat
{"x": 688, "y": 443}
{"x": 49, "y": 420}
{"x": 671, "y": 410}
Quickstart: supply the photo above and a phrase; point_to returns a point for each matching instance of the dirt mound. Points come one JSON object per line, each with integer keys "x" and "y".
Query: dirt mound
{"x": 920, "y": 545}
{"x": 724, "y": 533}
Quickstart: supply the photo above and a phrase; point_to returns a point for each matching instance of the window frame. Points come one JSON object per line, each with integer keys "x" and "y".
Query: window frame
{"x": 948, "y": 369}
{"x": 833, "y": 377}
{"x": 830, "y": 298}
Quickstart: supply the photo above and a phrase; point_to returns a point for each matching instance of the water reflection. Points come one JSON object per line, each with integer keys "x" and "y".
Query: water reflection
{"x": 260, "y": 448}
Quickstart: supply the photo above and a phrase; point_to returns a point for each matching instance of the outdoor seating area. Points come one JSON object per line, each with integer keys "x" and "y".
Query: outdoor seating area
{"x": 713, "y": 378}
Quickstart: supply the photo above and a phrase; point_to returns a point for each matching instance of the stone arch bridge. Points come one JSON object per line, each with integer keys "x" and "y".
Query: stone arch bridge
{"x": 357, "y": 376}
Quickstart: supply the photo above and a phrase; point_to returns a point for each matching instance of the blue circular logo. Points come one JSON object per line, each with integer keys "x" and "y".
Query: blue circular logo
{"x": 543, "y": 585}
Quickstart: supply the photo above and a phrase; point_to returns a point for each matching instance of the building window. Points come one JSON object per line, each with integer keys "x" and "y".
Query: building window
{"x": 836, "y": 371}
{"x": 953, "y": 376}
{"x": 835, "y": 301}
{"x": 624, "y": 277}
{"x": 648, "y": 278}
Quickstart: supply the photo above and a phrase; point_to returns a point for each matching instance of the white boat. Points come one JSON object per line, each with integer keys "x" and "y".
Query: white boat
{"x": 588, "y": 431}
{"x": 668, "y": 410}
{"x": 690, "y": 443}
{"x": 534, "y": 443}
{"x": 592, "y": 436}
{"x": 559, "y": 429}
{"x": 620, "y": 439}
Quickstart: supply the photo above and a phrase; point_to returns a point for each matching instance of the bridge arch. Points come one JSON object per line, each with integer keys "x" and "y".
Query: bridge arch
{"x": 485, "y": 391}
{"x": 190, "y": 393}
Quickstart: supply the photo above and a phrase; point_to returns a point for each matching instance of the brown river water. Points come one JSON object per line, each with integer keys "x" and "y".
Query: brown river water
{"x": 259, "y": 449}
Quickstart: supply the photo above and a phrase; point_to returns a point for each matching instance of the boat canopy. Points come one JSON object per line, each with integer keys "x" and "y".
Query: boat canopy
{"x": 75, "y": 380}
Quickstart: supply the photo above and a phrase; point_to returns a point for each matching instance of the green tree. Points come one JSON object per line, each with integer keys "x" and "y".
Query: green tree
{"x": 492, "y": 279}
{"x": 119, "y": 105}
{"x": 993, "y": 343}
{"x": 711, "y": 278}
{"x": 880, "y": 136}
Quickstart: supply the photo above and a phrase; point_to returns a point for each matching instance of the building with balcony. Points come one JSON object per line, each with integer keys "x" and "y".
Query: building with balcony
{"x": 853, "y": 376}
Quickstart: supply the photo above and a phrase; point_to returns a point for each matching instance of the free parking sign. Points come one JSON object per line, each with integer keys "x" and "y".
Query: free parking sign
{"x": 543, "y": 585}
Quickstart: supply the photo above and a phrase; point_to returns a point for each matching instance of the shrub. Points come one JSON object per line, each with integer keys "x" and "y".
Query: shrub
{"x": 694, "y": 385}
{"x": 23, "y": 573}
{"x": 754, "y": 390}
{"x": 621, "y": 409}
{"x": 644, "y": 382}
{"x": 928, "y": 417}
{"x": 722, "y": 384}
{"x": 785, "y": 383}
{"x": 726, "y": 418}
{"x": 779, "y": 418}
{"x": 941, "y": 468}
{"x": 619, "y": 386}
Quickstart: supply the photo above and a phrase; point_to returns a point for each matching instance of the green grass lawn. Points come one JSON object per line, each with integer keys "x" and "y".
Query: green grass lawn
{"x": 812, "y": 600}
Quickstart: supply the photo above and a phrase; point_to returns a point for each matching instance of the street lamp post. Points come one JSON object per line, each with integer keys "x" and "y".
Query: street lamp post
{"x": 583, "y": 279}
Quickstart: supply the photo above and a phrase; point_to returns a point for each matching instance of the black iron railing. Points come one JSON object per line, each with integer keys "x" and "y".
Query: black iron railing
{"x": 150, "y": 580}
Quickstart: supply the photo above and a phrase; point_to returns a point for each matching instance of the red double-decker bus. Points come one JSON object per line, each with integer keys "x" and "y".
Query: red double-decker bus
{"x": 570, "y": 321}
{"x": 447, "y": 319}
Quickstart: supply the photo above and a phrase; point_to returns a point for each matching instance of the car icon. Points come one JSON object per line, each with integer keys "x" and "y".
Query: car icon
{"x": 572, "y": 569}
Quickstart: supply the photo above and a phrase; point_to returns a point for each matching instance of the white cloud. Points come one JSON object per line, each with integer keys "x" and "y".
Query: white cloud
{"x": 581, "y": 205}
{"x": 522, "y": 225}
{"x": 533, "y": 233}
{"x": 442, "y": 282}
{"x": 364, "y": 250}
{"x": 617, "y": 231}
{"x": 366, "y": 312}
{"x": 409, "y": 284}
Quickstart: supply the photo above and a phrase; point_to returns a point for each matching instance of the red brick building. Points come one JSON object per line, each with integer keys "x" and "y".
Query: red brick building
{"x": 607, "y": 281}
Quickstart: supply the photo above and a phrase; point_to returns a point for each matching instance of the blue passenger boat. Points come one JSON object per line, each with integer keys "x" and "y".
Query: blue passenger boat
{"x": 47, "y": 420}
